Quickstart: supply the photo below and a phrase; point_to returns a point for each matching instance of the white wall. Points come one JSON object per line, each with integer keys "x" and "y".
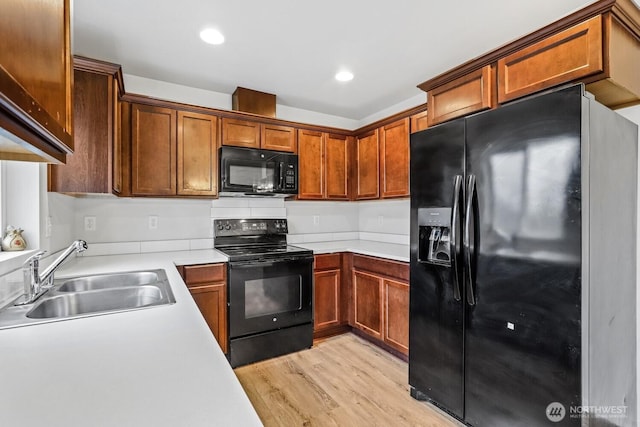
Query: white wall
{"x": 384, "y": 220}
{"x": 210, "y": 99}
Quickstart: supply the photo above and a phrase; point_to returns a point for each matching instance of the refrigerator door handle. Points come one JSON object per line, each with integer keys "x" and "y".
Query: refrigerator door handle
{"x": 455, "y": 221}
{"x": 471, "y": 189}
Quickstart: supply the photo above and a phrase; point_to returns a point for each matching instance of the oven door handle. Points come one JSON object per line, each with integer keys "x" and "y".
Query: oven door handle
{"x": 266, "y": 263}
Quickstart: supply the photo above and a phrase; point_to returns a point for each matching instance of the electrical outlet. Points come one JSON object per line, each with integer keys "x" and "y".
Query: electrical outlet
{"x": 47, "y": 227}
{"x": 316, "y": 220}
{"x": 380, "y": 220}
{"x": 153, "y": 222}
{"x": 89, "y": 223}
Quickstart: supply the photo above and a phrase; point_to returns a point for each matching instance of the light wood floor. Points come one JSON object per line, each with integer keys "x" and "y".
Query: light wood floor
{"x": 341, "y": 381}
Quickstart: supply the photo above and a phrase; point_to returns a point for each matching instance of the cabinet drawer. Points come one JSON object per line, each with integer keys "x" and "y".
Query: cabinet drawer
{"x": 465, "y": 95}
{"x": 194, "y": 274}
{"x": 569, "y": 55}
{"x": 327, "y": 261}
{"x": 395, "y": 269}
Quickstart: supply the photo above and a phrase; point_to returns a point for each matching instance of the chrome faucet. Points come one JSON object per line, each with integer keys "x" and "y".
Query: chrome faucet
{"x": 36, "y": 284}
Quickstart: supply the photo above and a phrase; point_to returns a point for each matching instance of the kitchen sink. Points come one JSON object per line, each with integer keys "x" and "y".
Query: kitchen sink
{"x": 109, "y": 281}
{"x": 79, "y": 303}
{"x": 93, "y": 295}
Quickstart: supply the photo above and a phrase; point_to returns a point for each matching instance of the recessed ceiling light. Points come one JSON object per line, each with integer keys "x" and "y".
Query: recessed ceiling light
{"x": 211, "y": 36}
{"x": 344, "y": 76}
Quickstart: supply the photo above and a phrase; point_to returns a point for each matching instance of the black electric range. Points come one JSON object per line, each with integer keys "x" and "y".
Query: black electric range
{"x": 270, "y": 291}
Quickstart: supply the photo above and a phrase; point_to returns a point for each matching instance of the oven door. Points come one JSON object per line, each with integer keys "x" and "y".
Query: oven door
{"x": 269, "y": 294}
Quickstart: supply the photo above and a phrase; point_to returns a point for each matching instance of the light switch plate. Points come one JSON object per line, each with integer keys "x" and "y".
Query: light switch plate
{"x": 153, "y": 222}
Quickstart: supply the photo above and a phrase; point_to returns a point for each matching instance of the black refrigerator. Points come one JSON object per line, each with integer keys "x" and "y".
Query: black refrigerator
{"x": 523, "y": 264}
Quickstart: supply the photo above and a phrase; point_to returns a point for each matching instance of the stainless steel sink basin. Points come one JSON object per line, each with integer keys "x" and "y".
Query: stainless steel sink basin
{"x": 79, "y": 303}
{"x": 92, "y": 295}
{"x": 108, "y": 281}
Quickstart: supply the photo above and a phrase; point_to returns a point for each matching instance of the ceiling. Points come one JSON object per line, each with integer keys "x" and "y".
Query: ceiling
{"x": 293, "y": 48}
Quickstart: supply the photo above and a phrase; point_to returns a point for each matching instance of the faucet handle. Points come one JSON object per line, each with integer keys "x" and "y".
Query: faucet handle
{"x": 34, "y": 258}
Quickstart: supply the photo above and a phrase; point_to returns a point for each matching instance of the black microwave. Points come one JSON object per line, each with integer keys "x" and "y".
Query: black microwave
{"x": 254, "y": 172}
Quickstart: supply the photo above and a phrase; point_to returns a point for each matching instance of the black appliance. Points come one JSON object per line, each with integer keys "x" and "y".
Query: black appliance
{"x": 523, "y": 264}
{"x": 270, "y": 289}
{"x": 254, "y": 172}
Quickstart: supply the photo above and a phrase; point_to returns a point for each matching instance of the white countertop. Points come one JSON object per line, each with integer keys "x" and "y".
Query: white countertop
{"x": 159, "y": 366}
{"x": 363, "y": 247}
{"x": 156, "y": 367}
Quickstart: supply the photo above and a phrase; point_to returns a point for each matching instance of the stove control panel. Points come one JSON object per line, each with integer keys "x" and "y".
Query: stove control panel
{"x": 249, "y": 227}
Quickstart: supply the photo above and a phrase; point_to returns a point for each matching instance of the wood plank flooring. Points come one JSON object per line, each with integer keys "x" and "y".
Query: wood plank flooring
{"x": 341, "y": 381}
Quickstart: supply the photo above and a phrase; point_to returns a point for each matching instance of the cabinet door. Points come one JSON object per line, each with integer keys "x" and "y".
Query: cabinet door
{"x": 279, "y": 138}
{"x": 153, "y": 151}
{"x": 211, "y": 299}
{"x": 465, "y": 95}
{"x": 240, "y": 133}
{"x": 116, "y": 152}
{"x": 569, "y": 55}
{"x": 36, "y": 74}
{"x": 396, "y": 315}
{"x": 311, "y": 165}
{"x": 419, "y": 122}
{"x": 88, "y": 170}
{"x": 367, "y": 291}
{"x": 327, "y": 299}
{"x": 336, "y": 155}
{"x": 394, "y": 159}
{"x": 197, "y": 154}
{"x": 367, "y": 166}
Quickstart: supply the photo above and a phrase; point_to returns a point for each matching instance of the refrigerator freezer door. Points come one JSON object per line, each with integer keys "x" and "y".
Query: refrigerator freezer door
{"x": 436, "y": 309}
{"x": 523, "y": 335}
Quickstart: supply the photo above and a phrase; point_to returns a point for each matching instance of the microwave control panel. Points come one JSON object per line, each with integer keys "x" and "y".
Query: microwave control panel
{"x": 290, "y": 177}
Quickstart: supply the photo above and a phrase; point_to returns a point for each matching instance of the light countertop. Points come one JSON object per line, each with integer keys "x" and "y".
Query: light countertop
{"x": 158, "y": 366}
{"x": 363, "y": 247}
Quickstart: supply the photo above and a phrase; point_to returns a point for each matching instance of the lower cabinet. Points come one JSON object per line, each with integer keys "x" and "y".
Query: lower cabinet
{"x": 329, "y": 314}
{"x": 208, "y": 286}
{"x": 381, "y": 300}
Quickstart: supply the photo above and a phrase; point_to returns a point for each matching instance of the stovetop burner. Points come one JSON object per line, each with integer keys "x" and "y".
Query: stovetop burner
{"x": 254, "y": 239}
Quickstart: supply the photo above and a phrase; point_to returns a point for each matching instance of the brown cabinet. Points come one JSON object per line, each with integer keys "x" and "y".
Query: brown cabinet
{"x": 173, "y": 152}
{"x": 245, "y": 133}
{"x": 324, "y": 166}
{"x": 366, "y": 164}
{"x": 327, "y": 292}
{"x": 208, "y": 286}
{"x": 419, "y": 121}
{"x": 381, "y": 300}
{"x": 367, "y": 291}
{"x": 279, "y": 138}
{"x": 36, "y": 78}
{"x": 153, "y": 151}
{"x": 90, "y": 169}
{"x": 394, "y": 159}
{"x": 465, "y": 95}
{"x": 396, "y": 319}
{"x": 563, "y": 57}
{"x": 197, "y": 154}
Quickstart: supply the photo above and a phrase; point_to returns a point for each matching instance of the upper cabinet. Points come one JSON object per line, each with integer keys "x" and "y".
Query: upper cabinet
{"x": 324, "y": 166}
{"x": 598, "y": 46}
{"x": 367, "y": 155}
{"x": 197, "y": 154}
{"x": 172, "y": 152}
{"x": 153, "y": 151}
{"x": 568, "y": 55}
{"x": 246, "y": 133}
{"x": 394, "y": 159}
{"x": 35, "y": 81}
{"x": 468, "y": 94}
{"x": 91, "y": 168}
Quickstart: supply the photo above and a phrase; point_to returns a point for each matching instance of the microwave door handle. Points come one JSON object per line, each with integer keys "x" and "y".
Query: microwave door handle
{"x": 280, "y": 183}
